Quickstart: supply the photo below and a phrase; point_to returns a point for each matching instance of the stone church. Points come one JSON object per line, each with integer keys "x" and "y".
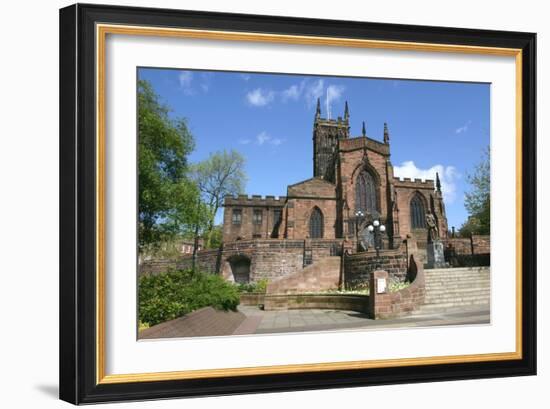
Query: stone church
{"x": 353, "y": 184}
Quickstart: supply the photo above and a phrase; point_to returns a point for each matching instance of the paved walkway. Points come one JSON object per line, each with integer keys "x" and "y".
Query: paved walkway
{"x": 252, "y": 320}
{"x": 264, "y": 322}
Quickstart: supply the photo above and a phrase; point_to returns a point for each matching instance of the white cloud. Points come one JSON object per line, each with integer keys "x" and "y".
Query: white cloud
{"x": 185, "y": 78}
{"x": 307, "y": 90}
{"x": 334, "y": 92}
{"x": 191, "y": 83}
{"x": 260, "y": 97}
{"x": 314, "y": 91}
{"x": 264, "y": 138}
{"x": 245, "y": 77}
{"x": 294, "y": 91}
{"x": 448, "y": 175}
{"x": 463, "y": 128}
{"x": 245, "y": 141}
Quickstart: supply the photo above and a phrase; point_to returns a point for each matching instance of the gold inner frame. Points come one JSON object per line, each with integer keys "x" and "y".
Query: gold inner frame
{"x": 101, "y": 33}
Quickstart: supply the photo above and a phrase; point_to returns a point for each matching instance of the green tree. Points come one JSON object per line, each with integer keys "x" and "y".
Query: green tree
{"x": 167, "y": 197}
{"x": 216, "y": 236}
{"x": 478, "y": 199}
{"x": 220, "y": 175}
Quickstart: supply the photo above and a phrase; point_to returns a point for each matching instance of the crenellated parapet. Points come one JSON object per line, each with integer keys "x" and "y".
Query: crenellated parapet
{"x": 414, "y": 183}
{"x": 363, "y": 142}
{"x": 255, "y": 201}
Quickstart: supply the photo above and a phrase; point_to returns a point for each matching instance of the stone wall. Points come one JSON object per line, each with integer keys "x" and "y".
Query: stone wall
{"x": 322, "y": 275}
{"x": 476, "y": 244}
{"x": 359, "y": 303}
{"x": 247, "y": 229}
{"x": 394, "y": 304}
{"x": 359, "y": 267}
{"x": 302, "y": 198}
{"x": 269, "y": 259}
{"x": 481, "y": 244}
{"x": 351, "y": 164}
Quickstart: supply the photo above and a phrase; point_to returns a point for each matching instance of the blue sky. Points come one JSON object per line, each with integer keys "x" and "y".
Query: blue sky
{"x": 434, "y": 126}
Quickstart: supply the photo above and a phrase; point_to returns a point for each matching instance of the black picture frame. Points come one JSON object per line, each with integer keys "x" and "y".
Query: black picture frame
{"x": 78, "y": 317}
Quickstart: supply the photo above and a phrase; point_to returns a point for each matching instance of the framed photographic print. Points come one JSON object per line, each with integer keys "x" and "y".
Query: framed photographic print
{"x": 258, "y": 203}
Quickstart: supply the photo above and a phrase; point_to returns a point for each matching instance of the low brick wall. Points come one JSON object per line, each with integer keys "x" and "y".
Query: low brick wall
{"x": 207, "y": 261}
{"x": 468, "y": 252}
{"x": 252, "y": 299}
{"x": 476, "y": 244}
{"x": 359, "y": 303}
{"x": 359, "y": 267}
{"x": 395, "y": 304}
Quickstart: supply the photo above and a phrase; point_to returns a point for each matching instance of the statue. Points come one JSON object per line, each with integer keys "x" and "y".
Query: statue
{"x": 433, "y": 231}
{"x": 435, "y": 252}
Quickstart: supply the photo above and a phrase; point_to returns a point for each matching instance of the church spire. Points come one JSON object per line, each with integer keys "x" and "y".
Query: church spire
{"x": 346, "y": 112}
{"x": 437, "y": 182}
{"x": 318, "y": 111}
{"x": 364, "y": 131}
{"x": 386, "y": 134}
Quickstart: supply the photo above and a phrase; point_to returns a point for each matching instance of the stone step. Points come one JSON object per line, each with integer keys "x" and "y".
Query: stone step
{"x": 457, "y": 273}
{"x": 465, "y": 275}
{"x": 462, "y": 291}
{"x": 459, "y": 281}
{"x": 451, "y": 282}
{"x": 455, "y": 270}
{"x": 457, "y": 287}
{"x": 444, "y": 300}
{"x": 459, "y": 301}
{"x": 439, "y": 300}
{"x": 434, "y": 309}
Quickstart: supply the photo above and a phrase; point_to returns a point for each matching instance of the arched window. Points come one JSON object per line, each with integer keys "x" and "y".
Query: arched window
{"x": 365, "y": 193}
{"x": 418, "y": 215}
{"x": 316, "y": 224}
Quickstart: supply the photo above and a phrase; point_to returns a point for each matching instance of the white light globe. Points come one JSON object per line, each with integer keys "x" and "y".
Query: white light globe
{"x": 382, "y": 228}
{"x": 370, "y": 228}
{"x": 376, "y": 223}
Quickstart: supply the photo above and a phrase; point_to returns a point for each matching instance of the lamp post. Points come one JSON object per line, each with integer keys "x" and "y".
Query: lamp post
{"x": 377, "y": 228}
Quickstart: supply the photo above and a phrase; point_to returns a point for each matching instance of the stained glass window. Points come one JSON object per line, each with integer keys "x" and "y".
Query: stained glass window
{"x": 418, "y": 216}
{"x": 365, "y": 193}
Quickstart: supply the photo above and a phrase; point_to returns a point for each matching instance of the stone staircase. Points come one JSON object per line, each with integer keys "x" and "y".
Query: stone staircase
{"x": 456, "y": 288}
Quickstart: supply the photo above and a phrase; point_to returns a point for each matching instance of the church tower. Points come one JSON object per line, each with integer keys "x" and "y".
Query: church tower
{"x": 326, "y": 133}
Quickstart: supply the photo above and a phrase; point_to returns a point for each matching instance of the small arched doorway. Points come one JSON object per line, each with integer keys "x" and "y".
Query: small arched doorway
{"x": 240, "y": 268}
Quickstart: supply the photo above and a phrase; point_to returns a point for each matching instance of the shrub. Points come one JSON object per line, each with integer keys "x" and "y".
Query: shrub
{"x": 259, "y": 286}
{"x": 170, "y": 295}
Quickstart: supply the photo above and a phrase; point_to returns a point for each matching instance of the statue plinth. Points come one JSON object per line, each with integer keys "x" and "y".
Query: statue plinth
{"x": 436, "y": 256}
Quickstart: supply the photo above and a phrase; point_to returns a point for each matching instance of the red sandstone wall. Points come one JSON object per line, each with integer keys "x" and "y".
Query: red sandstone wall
{"x": 350, "y": 166}
{"x": 322, "y": 275}
{"x": 389, "y": 305}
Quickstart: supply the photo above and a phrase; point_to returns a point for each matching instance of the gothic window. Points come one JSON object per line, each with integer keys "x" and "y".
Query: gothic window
{"x": 365, "y": 193}
{"x": 237, "y": 216}
{"x": 277, "y": 216}
{"x": 316, "y": 224}
{"x": 277, "y": 219}
{"x": 257, "y": 217}
{"x": 418, "y": 215}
